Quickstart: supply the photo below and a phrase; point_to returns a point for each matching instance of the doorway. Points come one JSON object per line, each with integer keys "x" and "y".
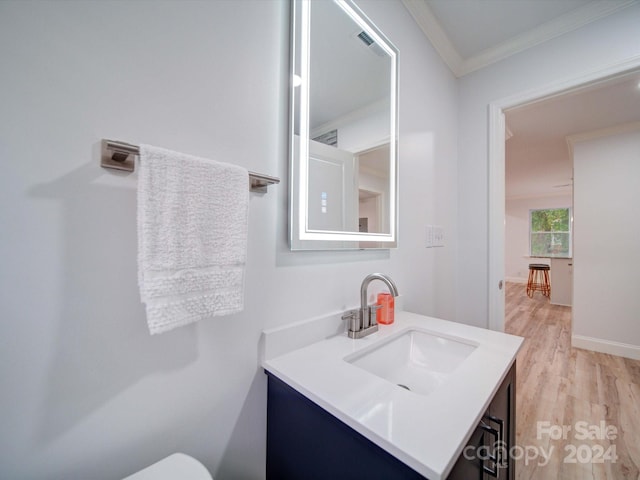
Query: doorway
{"x": 373, "y": 189}
{"x": 497, "y": 167}
{"x": 557, "y": 384}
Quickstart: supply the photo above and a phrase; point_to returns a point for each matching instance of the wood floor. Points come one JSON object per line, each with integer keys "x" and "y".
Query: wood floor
{"x": 594, "y": 397}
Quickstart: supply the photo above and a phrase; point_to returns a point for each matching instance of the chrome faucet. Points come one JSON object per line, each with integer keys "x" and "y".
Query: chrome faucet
{"x": 363, "y": 322}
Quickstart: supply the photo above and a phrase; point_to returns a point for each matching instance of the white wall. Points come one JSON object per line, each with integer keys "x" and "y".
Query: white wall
{"x": 596, "y": 46}
{"x": 516, "y": 229}
{"x": 607, "y": 235}
{"x": 86, "y": 392}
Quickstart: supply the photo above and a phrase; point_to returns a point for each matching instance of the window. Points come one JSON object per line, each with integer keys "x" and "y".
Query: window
{"x": 550, "y": 232}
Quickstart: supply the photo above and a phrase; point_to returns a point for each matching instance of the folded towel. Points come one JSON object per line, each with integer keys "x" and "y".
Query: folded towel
{"x": 192, "y": 237}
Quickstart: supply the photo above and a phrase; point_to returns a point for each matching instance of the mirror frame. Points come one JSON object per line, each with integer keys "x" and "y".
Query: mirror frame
{"x": 300, "y": 236}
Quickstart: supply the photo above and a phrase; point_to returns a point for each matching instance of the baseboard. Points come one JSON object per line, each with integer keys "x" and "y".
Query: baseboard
{"x": 606, "y": 346}
{"x": 516, "y": 280}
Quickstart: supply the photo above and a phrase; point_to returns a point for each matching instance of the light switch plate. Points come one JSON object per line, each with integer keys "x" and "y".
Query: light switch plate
{"x": 438, "y": 236}
{"x": 429, "y": 236}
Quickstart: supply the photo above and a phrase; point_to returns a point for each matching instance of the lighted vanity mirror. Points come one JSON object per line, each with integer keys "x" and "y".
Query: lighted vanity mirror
{"x": 343, "y": 138}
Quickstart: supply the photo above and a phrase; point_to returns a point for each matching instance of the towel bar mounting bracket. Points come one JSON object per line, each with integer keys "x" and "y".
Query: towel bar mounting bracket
{"x": 116, "y": 156}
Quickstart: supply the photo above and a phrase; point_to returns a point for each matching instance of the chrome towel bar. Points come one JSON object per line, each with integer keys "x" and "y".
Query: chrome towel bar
{"x": 120, "y": 156}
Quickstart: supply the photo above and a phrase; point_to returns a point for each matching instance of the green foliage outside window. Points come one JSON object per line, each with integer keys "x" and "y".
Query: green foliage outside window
{"x": 550, "y": 232}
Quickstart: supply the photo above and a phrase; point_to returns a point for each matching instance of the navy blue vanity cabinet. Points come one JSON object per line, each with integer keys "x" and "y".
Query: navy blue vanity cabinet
{"x": 306, "y": 442}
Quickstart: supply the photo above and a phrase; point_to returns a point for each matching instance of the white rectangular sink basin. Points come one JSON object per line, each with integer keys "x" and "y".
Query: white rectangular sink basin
{"x": 416, "y": 360}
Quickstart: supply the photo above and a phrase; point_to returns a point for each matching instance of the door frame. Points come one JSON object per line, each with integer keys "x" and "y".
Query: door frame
{"x": 496, "y": 152}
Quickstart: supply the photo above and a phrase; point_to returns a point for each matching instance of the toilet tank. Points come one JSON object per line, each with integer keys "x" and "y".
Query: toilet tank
{"x": 174, "y": 467}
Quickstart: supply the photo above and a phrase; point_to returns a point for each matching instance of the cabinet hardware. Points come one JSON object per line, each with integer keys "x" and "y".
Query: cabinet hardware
{"x": 497, "y": 456}
{"x": 493, "y": 457}
{"x": 501, "y": 441}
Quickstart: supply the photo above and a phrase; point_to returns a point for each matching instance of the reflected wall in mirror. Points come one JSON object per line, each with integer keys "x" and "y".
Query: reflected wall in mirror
{"x": 343, "y": 146}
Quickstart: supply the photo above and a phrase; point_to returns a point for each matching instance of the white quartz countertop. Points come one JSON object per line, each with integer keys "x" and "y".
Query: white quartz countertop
{"x": 426, "y": 432}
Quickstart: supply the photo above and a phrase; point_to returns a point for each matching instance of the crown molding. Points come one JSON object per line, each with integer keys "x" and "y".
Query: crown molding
{"x": 568, "y": 22}
{"x": 431, "y": 27}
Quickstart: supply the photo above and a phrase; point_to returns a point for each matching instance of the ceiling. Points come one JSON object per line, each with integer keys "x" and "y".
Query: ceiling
{"x": 538, "y": 159}
{"x": 471, "y": 34}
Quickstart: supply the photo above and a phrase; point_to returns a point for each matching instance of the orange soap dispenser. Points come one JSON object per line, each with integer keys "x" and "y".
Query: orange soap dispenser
{"x": 387, "y": 304}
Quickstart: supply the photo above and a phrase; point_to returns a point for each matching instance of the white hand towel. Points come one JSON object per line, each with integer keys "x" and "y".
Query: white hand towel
{"x": 192, "y": 237}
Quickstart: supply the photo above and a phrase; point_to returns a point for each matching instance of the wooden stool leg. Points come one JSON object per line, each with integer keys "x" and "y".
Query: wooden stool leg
{"x": 547, "y": 285}
{"x": 530, "y": 284}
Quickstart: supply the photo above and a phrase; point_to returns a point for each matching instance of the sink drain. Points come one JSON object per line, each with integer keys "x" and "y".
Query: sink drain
{"x": 404, "y": 386}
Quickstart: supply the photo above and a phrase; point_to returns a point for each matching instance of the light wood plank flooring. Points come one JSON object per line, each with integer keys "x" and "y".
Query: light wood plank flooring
{"x": 559, "y": 386}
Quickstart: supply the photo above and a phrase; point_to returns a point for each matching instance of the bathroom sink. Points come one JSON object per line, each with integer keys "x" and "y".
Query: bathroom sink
{"x": 415, "y": 360}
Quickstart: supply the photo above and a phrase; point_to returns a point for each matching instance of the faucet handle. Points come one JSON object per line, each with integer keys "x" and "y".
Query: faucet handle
{"x": 373, "y": 314}
{"x": 349, "y": 314}
{"x": 354, "y": 317}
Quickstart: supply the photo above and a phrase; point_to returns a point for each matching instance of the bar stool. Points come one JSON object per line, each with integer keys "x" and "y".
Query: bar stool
{"x": 539, "y": 280}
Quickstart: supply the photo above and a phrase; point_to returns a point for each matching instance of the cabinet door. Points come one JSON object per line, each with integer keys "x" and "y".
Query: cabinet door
{"x": 469, "y": 466}
{"x": 485, "y": 456}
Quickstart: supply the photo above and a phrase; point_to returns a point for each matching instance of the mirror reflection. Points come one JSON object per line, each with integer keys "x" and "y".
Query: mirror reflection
{"x": 343, "y": 158}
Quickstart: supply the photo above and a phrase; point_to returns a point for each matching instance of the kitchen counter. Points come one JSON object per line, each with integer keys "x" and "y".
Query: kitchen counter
{"x": 425, "y": 432}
